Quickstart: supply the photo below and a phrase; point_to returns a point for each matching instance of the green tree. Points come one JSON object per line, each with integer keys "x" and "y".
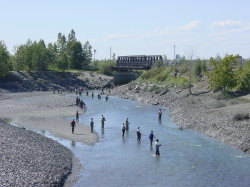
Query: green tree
{"x": 23, "y": 57}
{"x": 61, "y": 51}
{"x": 39, "y": 56}
{"x": 243, "y": 77}
{"x": 87, "y": 50}
{"x": 52, "y": 54}
{"x": 222, "y": 75}
{"x": 75, "y": 55}
{"x": 4, "y": 59}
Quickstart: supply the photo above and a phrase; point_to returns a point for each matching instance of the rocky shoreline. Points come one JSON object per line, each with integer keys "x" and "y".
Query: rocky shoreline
{"x": 203, "y": 113}
{"x": 30, "y": 159}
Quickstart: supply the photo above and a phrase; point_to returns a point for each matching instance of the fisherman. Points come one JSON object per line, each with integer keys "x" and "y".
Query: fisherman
{"x": 91, "y": 125}
{"x": 127, "y": 124}
{"x": 77, "y": 116}
{"x": 92, "y": 94}
{"x": 138, "y": 132}
{"x": 73, "y": 123}
{"x": 151, "y": 137}
{"x": 123, "y": 129}
{"x": 159, "y": 114}
{"x": 107, "y": 97}
{"x": 157, "y": 146}
{"x": 102, "y": 121}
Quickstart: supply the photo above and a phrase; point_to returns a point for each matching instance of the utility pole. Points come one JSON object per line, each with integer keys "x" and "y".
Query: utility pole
{"x": 174, "y": 51}
{"x": 110, "y": 52}
{"x": 94, "y": 54}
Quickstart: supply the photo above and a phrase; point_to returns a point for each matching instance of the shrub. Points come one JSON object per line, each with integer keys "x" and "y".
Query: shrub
{"x": 239, "y": 117}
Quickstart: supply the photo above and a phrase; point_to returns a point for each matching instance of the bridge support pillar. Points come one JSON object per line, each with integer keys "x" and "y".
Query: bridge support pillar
{"x": 124, "y": 77}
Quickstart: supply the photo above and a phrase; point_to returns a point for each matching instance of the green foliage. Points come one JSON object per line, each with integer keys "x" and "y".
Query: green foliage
{"x": 164, "y": 76}
{"x": 63, "y": 54}
{"x": 243, "y": 78}
{"x": 106, "y": 68}
{"x": 4, "y": 59}
{"x": 87, "y": 50}
{"x": 31, "y": 56}
{"x": 75, "y": 55}
{"x": 222, "y": 76}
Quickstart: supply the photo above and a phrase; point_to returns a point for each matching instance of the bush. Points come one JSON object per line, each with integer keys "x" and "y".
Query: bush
{"x": 239, "y": 117}
{"x": 106, "y": 68}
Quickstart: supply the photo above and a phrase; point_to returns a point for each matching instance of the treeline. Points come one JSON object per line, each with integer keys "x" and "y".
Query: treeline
{"x": 65, "y": 53}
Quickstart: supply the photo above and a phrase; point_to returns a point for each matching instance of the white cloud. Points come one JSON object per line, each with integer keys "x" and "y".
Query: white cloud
{"x": 189, "y": 26}
{"x": 226, "y": 24}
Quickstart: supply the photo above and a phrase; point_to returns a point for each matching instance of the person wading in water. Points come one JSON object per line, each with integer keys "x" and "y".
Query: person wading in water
{"x": 138, "y": 132}
{"x": 151, "y": 137}
{"x": 91, "y": 125}
{"x": 102, "y": 121}
{"x": 123, "y": 129}
{"x": 127, "y": 124}
{"x": 159, "y": 114}
{"x": 157, "y": 146}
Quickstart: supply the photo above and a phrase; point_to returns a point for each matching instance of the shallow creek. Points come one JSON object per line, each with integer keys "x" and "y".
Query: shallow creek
{"x": 187, "y": 158}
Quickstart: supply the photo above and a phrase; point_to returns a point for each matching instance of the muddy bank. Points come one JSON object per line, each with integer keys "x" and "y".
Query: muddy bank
{"x": 204, "y": 113}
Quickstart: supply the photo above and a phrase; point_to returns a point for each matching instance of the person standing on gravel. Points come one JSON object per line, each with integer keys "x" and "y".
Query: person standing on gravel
{"x": 73, "y": 124}
{"x": 91, "y": 125}
{"x": 102, "y": 121}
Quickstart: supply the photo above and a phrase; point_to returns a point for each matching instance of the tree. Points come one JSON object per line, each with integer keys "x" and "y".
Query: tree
{"x": 4, "y": 59}
{"x": 61, "y": 51}
{"x": 87, "y": 50}
{"x": 39, "y": 56}
{"x": 75, "y": 55}
{"x": 243, "y": 77}
{"x": 72, "y": 36}
{"x": 222, "y": 75}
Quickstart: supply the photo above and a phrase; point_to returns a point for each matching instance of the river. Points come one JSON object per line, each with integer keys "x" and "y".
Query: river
{"x": 187, "y": 158}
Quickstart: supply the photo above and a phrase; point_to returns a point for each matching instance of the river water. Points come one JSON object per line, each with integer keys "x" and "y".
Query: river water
{"x": 187, "y": 158}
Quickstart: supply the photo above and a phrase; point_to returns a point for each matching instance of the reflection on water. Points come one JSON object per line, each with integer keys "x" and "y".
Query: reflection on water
{"x": 73, "y": 143}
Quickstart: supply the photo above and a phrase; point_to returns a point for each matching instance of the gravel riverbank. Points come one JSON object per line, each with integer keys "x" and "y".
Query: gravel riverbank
{"x": 30, "y": 159}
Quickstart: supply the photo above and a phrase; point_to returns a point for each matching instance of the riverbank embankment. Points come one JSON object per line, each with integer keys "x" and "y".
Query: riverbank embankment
{"x": 202, "y": 111}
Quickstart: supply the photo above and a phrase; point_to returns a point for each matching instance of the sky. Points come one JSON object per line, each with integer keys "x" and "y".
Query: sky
{"x": 197, "y": 28}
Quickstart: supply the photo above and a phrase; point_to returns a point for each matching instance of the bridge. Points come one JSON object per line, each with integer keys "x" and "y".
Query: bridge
{"x": 136, "y": 62}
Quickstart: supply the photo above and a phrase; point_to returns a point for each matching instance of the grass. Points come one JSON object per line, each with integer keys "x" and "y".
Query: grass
{"x": 164, "y": 76}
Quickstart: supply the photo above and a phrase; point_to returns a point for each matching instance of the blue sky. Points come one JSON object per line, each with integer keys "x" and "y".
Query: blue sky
{"x": 197, "y": 28}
